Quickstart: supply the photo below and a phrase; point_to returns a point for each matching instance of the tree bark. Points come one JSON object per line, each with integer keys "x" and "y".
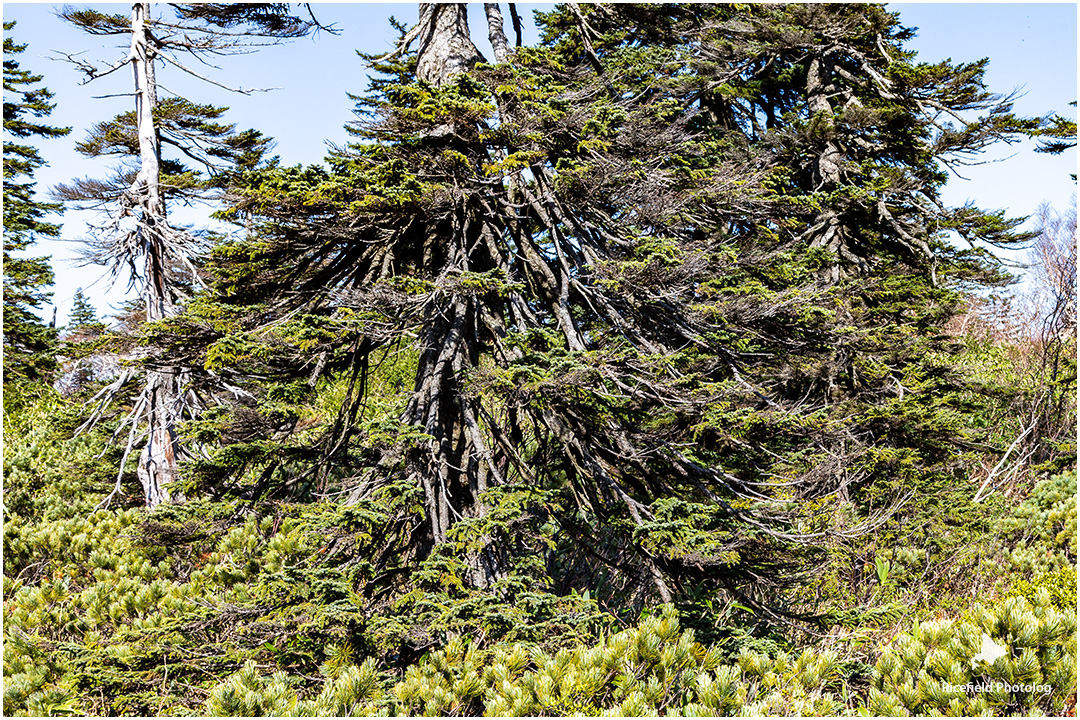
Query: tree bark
{"x": 818, "y": 80}
{"x": 445, "y": 48}
{"x": 454, "y": 470}
{"x": 158, "y": 460}
{"x": 826, "y": 169}
{"x": 496, "y": 34}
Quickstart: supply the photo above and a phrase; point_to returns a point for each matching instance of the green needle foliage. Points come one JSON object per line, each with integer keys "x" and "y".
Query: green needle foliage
{"x": 83, "y": 314}
{"x": 28, "y": 343}
{"x": 657, "y": 669}
{"x": 241, "y": 608}
{"x": 614, "y": 377}
{"x": 660, "y": 283}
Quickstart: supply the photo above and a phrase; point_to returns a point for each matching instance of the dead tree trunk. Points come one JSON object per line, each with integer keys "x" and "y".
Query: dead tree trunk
{"x": 139, "y": 237}
{"x": 499, "y": 44}
{"x": 158, "y": 460}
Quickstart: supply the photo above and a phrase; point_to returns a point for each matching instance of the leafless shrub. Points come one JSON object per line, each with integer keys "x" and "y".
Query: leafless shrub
{"x": 1032, "y": 331}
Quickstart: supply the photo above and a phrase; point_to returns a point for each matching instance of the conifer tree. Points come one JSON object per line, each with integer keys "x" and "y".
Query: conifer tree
{"x": 28, "y": 342}
{"x": 667, "y": 282}
{"x": 138, "y": 236}
{"x": 83, "y": 325}
{"x": 83, "y": 313}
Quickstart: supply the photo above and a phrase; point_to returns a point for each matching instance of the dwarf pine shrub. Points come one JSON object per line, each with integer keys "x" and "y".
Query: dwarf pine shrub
{"x": 226, "y": 594}
{"x": 657, "y": 668}
{"x": 1046, "y": 522}
{"x": 938, "y": 667}
{"x": 354, "y": 692}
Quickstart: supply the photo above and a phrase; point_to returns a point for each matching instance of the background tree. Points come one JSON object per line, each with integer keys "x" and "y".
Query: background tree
{"x": 85, "y": 365}
{"x": 28, "y": 342}
{"x": 82, "y": 313}
{"x": 1053, "y": 267}
{"x": 1027, "y": 342}
{"x": 138, "y": 235}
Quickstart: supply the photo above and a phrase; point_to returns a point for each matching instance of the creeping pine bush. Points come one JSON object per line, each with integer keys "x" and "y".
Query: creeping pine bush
{"x": 123, "y": 612}
{"x": 350, "y": 693}
{"x": 658, "y": 668}
{"x": 1046, "y": 525}
{"x": 653, "y": 669}
{"x": 932, "y": 670}
{"x": 1043, "y": 534}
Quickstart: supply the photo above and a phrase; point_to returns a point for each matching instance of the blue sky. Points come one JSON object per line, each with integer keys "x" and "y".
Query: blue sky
{"x": 1032, "y": 49}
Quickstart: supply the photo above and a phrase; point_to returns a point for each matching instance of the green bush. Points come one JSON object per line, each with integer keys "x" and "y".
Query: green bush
{"x": 933, "y": 670}
{"x": 657, "y": 668}
{"x": 239, "y": 608}
{"x": 1045, "y": 526}
{"x": 1059, "y": 585}
{"x": 351, "y": 693}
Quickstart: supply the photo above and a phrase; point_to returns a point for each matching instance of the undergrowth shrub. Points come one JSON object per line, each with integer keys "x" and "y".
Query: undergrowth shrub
{"x": 242, "y": 608}
{"x": 937, "y": 668}
{"x": 1044, "y": 526}
{"x": 657, "y": 668}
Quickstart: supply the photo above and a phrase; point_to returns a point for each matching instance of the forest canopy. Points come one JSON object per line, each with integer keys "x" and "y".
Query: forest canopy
{"x": 643, "y": 370}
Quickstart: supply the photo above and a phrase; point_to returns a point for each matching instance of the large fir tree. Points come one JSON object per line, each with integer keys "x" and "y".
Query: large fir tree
{"x": 668, "y": 291}
{"x": 28, "y": 342}
{"x": 656, "y": 309}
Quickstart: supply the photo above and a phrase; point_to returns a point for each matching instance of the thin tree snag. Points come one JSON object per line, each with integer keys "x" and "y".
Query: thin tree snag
{"x": 1001, "y": 463}
{"x": 158, "y": 466}
{"x": 516, "y": 19}
{"x": 138, "y": 237}
{"x": 147, "y": 182}
{"x": 446, "y": 49}
{"x": 496, "y": 34}
{"x": 158, "y": 462}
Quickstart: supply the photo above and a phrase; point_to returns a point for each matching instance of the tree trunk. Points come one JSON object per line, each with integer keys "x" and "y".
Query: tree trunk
{"x": 496, "y": 34}
{"x": 445, "y": 48}
{"x": 158, "y": 460}
{"x": 458, "y": 466}
{"x": 818, "y": 80}
{"x": 826, "y": 169}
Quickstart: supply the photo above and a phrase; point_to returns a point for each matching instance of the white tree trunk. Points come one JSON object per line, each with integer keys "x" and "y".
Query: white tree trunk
{"x": 445, "y": 48}
{"x": 496, "y": 33}
{"x": 158, "y": 460}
